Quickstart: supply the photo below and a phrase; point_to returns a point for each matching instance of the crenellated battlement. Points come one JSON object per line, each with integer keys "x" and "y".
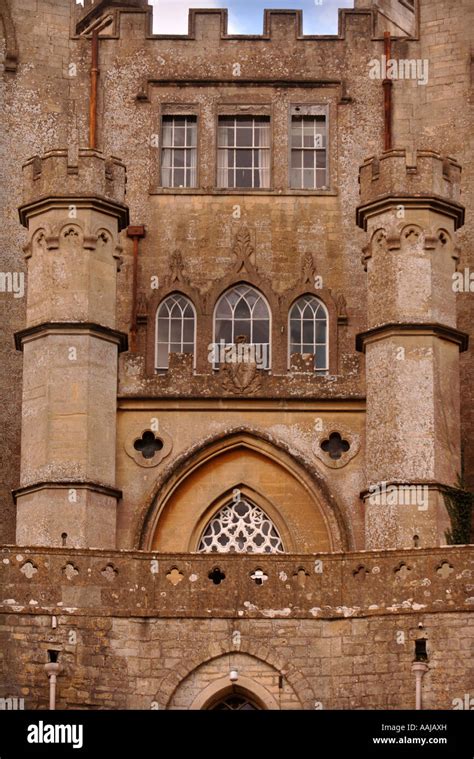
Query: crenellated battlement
{"x": 87, "y": 174}
{"x": 421, "y": 171}
{"x": 213, "y": 23}
{"x": 410, "y": 175}
{"x": 375, "y": 18}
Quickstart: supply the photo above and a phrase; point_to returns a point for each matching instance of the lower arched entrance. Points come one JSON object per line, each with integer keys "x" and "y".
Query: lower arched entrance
{"x": 235, "y": 681}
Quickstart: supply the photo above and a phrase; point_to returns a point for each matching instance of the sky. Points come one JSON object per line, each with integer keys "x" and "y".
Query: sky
{"x": 246, "y": 16}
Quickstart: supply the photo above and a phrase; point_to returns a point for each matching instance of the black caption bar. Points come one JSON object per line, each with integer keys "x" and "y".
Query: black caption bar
{"x": 374, "y": 733}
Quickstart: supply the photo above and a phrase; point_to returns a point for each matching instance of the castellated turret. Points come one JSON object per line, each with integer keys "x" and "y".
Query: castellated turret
{"x": 410, "y": 209}
{"x": 73, "y": 209}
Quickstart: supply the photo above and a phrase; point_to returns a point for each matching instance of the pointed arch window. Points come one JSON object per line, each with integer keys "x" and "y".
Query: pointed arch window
{"x": 308, "y": 331}
{"x": 175, "y": 328}
{"x": 241, "y": 527}
{"x": 242, "y": 318}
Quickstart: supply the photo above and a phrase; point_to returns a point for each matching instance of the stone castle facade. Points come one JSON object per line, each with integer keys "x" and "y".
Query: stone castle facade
{"x": 237, "y": 393}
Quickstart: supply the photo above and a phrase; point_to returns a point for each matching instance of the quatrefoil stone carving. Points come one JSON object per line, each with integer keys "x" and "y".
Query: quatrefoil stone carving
{"x": 29, "y": 569}
{"x": 259, "y": 576}
{"x": 402, "y": 572}
{"x": 109, "y": 572}
{"x": 146, "y": 447}
{"x": 70, "y": 571}
{"x": 148, "y": 444}
{"x": 336, "y": 447}
{"x": 174, "y": 576}
{"x": 444, "y": 570}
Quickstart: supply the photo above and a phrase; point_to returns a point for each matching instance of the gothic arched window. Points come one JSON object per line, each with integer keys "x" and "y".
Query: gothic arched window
{"x": 175, "y": 328}
{"x": 308, "y": 331}
{"x": 240, "y": 527}
{"x": 242, "y": 327}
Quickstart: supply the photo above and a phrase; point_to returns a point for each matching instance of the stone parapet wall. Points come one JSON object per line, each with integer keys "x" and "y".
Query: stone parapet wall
{"x": 312, "y": 586}
{"x": 343, "y": 638}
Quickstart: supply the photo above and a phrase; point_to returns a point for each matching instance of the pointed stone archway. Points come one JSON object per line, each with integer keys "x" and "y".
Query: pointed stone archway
{"x": 245, "y": 688}
{"x": 263, "y": 677}
{"x": 291, "y": 492}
